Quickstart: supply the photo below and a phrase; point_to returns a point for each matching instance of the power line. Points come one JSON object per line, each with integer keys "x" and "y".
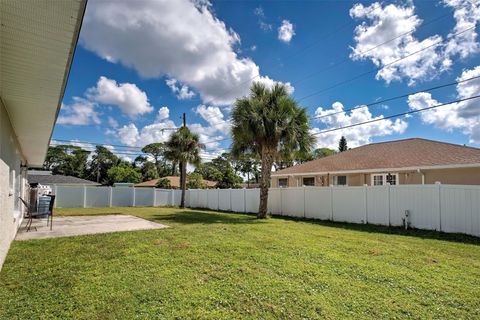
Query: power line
{"x": 301, "y": 79}
{"x": 396, "y": 115}
{"x": 379, "y": 68}
{"x": 387, "y": 117}
{"x": 396, "y": 97}
{"x": 312, "y": 44}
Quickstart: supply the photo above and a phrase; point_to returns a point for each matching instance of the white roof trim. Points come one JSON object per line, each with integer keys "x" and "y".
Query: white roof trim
{"x": 453, "y": 166}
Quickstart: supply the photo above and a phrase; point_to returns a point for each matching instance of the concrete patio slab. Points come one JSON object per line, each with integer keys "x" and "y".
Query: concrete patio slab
{"x": 82, "y": 225}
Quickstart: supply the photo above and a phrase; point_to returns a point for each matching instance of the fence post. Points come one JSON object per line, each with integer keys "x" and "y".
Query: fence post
{"x": 218, "y": 199}
{"x": 231, "y": 207}
{"x": 281, "y": 202}
{"x": 304, "y": 203}
{"x": 366, "y": 203}
{"x": 389, "y": 205}
{"x": 55, "y": 191}
{"x": 154, "y": 197}
{"x": 244, "y": 200}
{"x": 84, "y": 196}
{"x": 133, "y": 200}
{"x": 440, "y": 206}
{"x": 331, "y": 202}
{"x": 110, "y": 197}
{"x": 172, "y": 196}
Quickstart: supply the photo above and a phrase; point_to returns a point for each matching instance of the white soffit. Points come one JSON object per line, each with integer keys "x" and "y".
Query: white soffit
{"x": 37, "y": 42}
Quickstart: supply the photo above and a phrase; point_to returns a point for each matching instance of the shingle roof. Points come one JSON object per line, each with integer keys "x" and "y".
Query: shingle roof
{"x": 408, "y": 153}
{"x": 174, "y": 182}
{"x": 57, "y": 179}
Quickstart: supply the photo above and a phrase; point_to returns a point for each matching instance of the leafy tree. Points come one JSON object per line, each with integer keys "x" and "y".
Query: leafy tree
{"x": 163, "y": 183}
{"x": 123, "y": 173}
{"x": 221, "y": 170}
{"x": 323, "y": 152}
{"x": 102, "y": 160}
{"x": 249, "y": 165}
{"x": 342, "y": 144}
{"x": 209, "y": 171}
{"x": 184, "y": 147}
{"x": 267, "y": 123}
{"x": 195, "y": 181}
{"x": 67, "y": 160}
{"x": 157, "y": 152}
{"x": 147, "y": 168}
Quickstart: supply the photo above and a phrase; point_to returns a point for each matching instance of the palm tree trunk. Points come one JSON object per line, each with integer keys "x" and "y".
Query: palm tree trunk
{"x": 183, "y": 182}
{"x": 266, "y": 170}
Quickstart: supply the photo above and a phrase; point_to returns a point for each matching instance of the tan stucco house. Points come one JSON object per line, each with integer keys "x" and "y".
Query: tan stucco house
{"x": 409, "y": 161}
{"x": 37, "y": 42}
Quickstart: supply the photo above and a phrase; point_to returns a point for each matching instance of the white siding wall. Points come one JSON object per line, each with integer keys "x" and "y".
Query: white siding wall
{"x": 12, "y": 184}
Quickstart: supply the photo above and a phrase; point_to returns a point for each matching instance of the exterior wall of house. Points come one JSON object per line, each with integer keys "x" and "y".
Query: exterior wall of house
{"x": 463, "y": 176}
{"x": 12, "y": 184}
{"x": 470, "y": 176}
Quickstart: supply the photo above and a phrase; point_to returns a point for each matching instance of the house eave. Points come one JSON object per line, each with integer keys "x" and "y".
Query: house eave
{"x": 413, "y": 168}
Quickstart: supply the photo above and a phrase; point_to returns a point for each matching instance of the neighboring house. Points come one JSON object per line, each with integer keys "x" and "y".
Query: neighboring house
{"x": 46, "y": 178}
{"x": 174, "y": 182}
{"x": 409, "y": 161}
{"x": 37, "y": 42}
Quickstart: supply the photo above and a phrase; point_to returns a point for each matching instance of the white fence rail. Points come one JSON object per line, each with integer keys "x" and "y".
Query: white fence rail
{"x": 449, "y": 208}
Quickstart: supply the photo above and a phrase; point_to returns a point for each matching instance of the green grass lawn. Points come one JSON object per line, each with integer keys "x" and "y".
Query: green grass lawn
{"x": 230, "y": 266}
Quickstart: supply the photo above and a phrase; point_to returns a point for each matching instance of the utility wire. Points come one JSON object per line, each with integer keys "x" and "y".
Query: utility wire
{"x": 395, "y": 98}
{"x": 381, "y": 119}
{"x": 379, "y": 68}
{"x": 302, "y": 79}
{"x": 396, "y": 115}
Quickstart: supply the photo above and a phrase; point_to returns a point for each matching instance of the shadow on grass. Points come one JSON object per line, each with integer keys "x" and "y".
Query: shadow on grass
{"x": 205, "y": 217}
{"x": 371, "y": 228}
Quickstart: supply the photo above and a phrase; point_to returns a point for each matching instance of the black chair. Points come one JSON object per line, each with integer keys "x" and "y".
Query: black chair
{"x": 32, "y": 213}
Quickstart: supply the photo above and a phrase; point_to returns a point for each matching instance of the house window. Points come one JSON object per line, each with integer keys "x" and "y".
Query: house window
{"x": 282, "y": 183}
{"x": 383, "y": 179}
{"x": 378, "y": 180}
{"x": 309, "y": 181}
{"x": 340, "y": 180}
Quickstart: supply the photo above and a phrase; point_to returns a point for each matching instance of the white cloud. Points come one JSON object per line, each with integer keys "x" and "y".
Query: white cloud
{"x": 80, "y": 113}
{"x": 214, "y": 117}
{"x": 464, "y": 116}
{"x": 356, "y": 136}
{"x": 148, "y": 36}
{"x": 285, "y": 31}
{"x": 163, "y": 113}
{"x": 112, "y": 122}
{"x": 467, "y": 14}
{"x": 182, "y": 92}
{"x": 127, "y": 96}
{"x": 373, "y": 40}
{"x": 259, "y": 12}
{"x": 218, "y": 128}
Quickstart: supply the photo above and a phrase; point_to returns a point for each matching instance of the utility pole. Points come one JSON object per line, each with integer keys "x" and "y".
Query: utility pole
{"x": 184, "y": 120}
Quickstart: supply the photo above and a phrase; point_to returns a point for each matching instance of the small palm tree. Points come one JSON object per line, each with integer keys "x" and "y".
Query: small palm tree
{"x": 269, "y": 123}
{"x": 184, "y": 147}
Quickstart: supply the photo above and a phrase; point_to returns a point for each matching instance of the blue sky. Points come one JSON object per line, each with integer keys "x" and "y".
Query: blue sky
{"x": 140, "y": 64}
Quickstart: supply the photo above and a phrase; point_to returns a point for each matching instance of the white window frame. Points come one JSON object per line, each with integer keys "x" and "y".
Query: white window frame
{"x": 384, "y": 178}
{"x": 335, "y": 180}
{"x": 314, "y": 181}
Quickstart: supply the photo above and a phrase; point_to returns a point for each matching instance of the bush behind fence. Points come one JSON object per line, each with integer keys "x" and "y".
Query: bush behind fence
{"x": 449, "y": 208}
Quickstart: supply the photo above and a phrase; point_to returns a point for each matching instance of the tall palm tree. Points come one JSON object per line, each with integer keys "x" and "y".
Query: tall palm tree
{"x": 184, "y": 147}
{"x": 269, "y": 123}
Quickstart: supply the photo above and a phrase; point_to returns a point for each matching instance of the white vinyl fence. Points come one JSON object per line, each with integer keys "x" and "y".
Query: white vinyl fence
{"x": 449, "y": 208}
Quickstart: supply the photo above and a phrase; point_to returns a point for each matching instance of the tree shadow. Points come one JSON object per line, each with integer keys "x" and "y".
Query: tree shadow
{"x": 206, "y": 217}
{"x": 400, "y": 231}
